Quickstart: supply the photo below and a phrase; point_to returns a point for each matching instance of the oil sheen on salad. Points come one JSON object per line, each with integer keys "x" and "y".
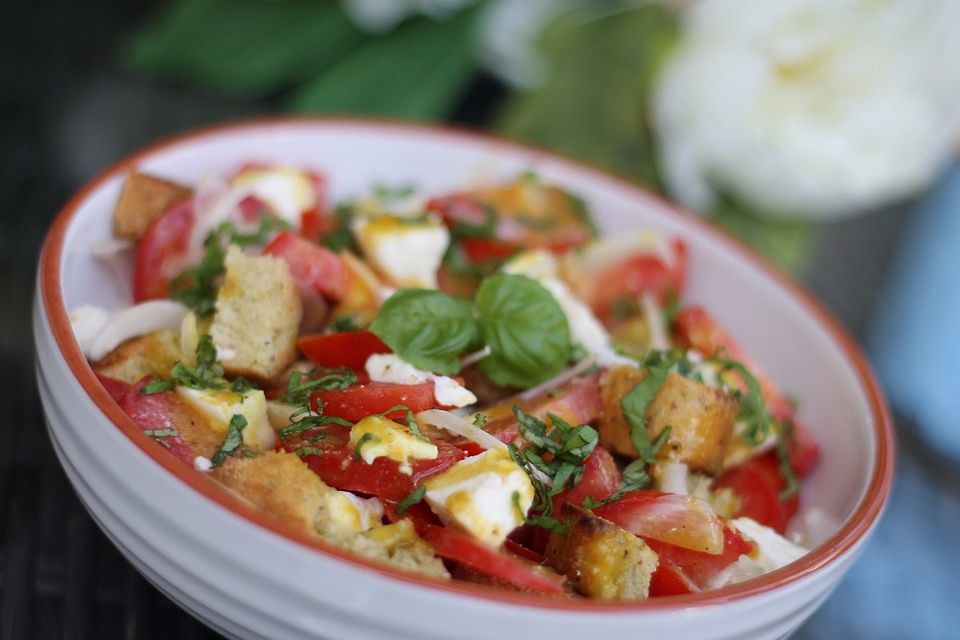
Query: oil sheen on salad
{"x": 471, "y": 385}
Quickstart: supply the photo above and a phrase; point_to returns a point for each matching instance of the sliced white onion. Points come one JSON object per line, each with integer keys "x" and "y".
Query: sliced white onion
{"x": 136, "y": 321}
{"x": 214, "y": 203}
{"x": 654, "y": 317}
{"x": 87, "y": 321}
{"x": 558, "y": 380}
{"x": 744, "y": 568}
{"x": 673, "y": 477}
{"x": 458, "y": 426}
{"x": 109, "y": 247}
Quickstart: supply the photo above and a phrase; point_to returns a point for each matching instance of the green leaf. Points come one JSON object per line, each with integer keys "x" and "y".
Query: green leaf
{"x": 634, "y": 407}
{"x": 602, "y": 122}
{"x": 417, "y": 71}
{"x": 240, "y": 48}
{"x": 525, "y": 328}
{"x": 232, "y": 442}
{"x": 426, "y": 328}
{"x": 411, "y": 499}
{"x": 787, "y": 243}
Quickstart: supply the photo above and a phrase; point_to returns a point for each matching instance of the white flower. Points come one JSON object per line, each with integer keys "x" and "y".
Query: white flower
{"x": 380, "y": 16}
{"x": 820, "y": 108}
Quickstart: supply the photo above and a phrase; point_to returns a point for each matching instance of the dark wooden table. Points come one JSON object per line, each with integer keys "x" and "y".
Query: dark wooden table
{"x": 66, "y": 114}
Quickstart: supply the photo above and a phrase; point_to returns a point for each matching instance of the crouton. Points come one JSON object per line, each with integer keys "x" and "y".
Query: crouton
{"x": 256, "y": 317}
{"x": 614, "y": 429}
{"x": 700, "y": 418}
{"x": 600, "y": 559}
{"x": 282, "y": 485}
{"x": 142, "y": 200}
{"x": 399, "y": 545}
{"x": 194, "y": 428}
{"x": 152, "y": 353}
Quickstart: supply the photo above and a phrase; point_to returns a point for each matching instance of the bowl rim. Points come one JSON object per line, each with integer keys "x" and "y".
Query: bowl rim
{"x": 852, "y": 530}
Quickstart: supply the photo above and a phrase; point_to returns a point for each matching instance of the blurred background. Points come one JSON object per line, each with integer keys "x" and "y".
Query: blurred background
{"x": 825, "y": 133}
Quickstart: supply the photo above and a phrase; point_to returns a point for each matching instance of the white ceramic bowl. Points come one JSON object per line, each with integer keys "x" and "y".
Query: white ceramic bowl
{"x": 249, "y": 577}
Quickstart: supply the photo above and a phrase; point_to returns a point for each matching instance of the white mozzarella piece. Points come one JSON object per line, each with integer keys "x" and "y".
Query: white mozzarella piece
{"x": 389, "y": 367}
{"x": 487, "y": 495}
{"x": 379, "y": 437}
{"x": 773, "y": 550}
{"x": 288, "y": 191}
{"x": 407, "y": 253}
{"x": 745, "y": 568}
{"x": 220, "y": 405}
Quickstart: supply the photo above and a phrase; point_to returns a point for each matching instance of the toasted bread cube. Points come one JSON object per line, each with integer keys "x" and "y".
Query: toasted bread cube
{"x": 283, "y": 485}
{"x": 701, "y": 418}
{"x": 142, "y": 200}
{"x": 257, "y": 315}
{"x": 600, "y": 559}
{"x": 153, "y": 353}
{"x": 399, "y": 545}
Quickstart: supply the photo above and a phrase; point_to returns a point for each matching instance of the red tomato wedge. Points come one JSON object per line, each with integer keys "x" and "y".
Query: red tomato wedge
{"x": 116, "y": 388}
{"x": 757, "y": 483}
{"x": 460, "y": 547}
{"x": 684, "y": 521}
{"x": 338, "y": 467}
{"x": 643, "y": 273}
{"x": 361, "y": 400}
{"x": 161, "y": 253}
{"x": 804, "y": 450}
{"x": 698, "y": 567}
{"x": 669, "y": 580}
{"x": 601, "y": 477}
{"x": 483, "y": 249}
{"x": 313, "y": 267}
{"x": 159, "y": 412}
{"x": 349, "y": 349}
{"x": 315, "y": 223}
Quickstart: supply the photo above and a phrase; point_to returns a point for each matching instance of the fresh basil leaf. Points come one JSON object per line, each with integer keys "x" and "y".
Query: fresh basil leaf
{"x": 752, "y": 407}
{"x": 525, "y": 328}
{"x": 427, "y": 328}
{"x": 157, "y": 386}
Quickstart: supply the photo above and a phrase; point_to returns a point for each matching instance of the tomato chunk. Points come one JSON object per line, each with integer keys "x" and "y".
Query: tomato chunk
{"x": 159, "y": 412}
{"x": 684, "y": 521}
{"x": 312, "y": 266}
{"x": 669, "y": 580}
{"x": 116, "y": 388}
{"x": 161, "y": 253}
{"x": 337, "y": 465}
{"x": 361, "y": 400}
{"x": 601, "y": 477}
{"x": 349, "y": 349}
{"x": 698, "y": 567}
{"x": 757, "y": 483}
{"x": 460, "y": 547}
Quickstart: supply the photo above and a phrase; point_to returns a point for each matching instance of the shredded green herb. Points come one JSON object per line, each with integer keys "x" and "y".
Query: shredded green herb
{"x": 753, "y": 410}
{"x": 161, "y": 433}
{"x": 787, "y": 472}
{"x": 231, "y": 442}
{"x": 409, "y": 417}
{"x": 365, "y": 439}
{"x": 414, "y": 497}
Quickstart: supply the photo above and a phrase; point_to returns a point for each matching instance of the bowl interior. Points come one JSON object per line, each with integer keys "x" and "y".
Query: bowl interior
{"x": 782, "y": 331}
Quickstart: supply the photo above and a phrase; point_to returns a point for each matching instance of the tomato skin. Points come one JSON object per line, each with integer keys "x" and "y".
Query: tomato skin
{"x": 339, "y": 468}
{"x": 804, "y": 450}
{"x": 699, "y": 567}
{"x": 601, "y": 477}
{"x": 460, "y": 547}
{"x": 643, "y": 273}
{"x": 361, "y": 400}
{"x": 314, "y": 224}
{"x": 348, "y": 349}
{"x": 758, "y": 483}
{"x": 679, "y": 520}
{"x": 669, "y": 580}
{"x": 158, "y": 411}
{"x": 312, "y": 266}
{"x": 116, "y": 388}
{"x": 483, "y": 249}
{"x": 161, "y": 253}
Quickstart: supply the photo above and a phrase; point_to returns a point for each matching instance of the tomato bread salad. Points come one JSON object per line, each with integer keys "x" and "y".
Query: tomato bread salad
{"x": 473, "y": 386}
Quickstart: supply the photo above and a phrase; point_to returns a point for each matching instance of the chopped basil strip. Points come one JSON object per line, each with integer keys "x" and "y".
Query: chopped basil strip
{"x": 232, "y": 442}
{"x": 753, "y": 410}
{"x": 161, "y": 433}
{"x": 414, "y": 497}
{"x": 365, "y": 439}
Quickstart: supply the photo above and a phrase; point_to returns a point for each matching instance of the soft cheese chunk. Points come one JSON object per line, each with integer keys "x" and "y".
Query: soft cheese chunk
{"x": 288, "y": 191}
{"x": 486, "y": 495}
{"x": 220, "y": 405}
{"x": 389, "y": 367}
{"x": 585, "y": 329}
{"x": 378, "y": 437}
{"x": 407, "y": 253}
{"x": 773, "y": 550}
